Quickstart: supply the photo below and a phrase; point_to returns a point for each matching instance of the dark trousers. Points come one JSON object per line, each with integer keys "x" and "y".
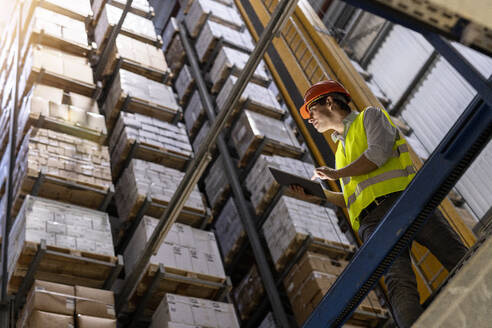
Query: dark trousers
{"x": 437, "y": 235}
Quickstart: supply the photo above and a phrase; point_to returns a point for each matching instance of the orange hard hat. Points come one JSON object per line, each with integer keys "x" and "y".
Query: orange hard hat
{"x": 319, "y": 89}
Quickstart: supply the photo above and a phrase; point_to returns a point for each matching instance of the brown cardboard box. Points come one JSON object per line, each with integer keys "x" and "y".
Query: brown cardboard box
{"x": 41, "y": 319}
{"x": 51, "y": 297}
{"x": 94, "y": 302}
{"x": 85, "y": 321}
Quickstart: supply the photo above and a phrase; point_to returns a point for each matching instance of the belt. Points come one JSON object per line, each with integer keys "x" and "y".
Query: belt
{"x": 375, "y": 203}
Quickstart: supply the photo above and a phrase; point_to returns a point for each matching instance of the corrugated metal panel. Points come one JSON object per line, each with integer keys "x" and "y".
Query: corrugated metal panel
{"x": 434, "y": 107}
{"x": 361, "y": 40}
{"x": 398, "y": 60}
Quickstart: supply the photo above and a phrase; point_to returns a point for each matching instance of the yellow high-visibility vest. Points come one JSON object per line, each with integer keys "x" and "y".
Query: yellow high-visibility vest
{"x": 360, "y": 191}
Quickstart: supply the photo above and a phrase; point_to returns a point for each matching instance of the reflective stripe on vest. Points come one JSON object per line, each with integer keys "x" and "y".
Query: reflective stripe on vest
{"x": 393, "y": 176}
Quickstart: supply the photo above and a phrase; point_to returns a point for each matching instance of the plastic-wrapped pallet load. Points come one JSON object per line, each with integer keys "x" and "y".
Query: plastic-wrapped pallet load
{"x": 310, "y": 279}
{"x": 62, "y": 157}
{"x": 165, "y": 143}
{"x": 232, "y": 61}
{"x": 138, "y": 7}
{"x": 261, "y": 183}
{"x": 268, "y": 322}
{"x": 185, "y": 83}
{"x": 70, "y": 113}
{"x": 139, "y": 57}
{"x": 194, "y": 114}
{"x": 202, "y": 10}
{"x": 66, "y": 227}
{"x": 249, "y": 293}
{"x": 185, "y": 249}
{"x": 212, "y": 32}
{"x": 254, "y": 97}
{"x": 251, "y": 128}
{"x": 177, "y": 311}
{"x": 229, "y": 230}
{"x": 58, "y": 30}
{"x": 94, "y": 308}
{"x": 135, "y": 26}
{"x": 141, "y": 178}
{"x": 60, "y": 69}
{"x": 292, "y": 220}
{"x": 135, "y": 93}
{"x": 78, "y": 9}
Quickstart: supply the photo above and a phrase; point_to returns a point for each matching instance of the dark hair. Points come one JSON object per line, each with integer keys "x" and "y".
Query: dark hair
{"x": 337, "y": 100}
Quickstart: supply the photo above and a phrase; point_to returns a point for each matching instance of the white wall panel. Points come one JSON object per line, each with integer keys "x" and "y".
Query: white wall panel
{"x": 398, "y": 60}
{"x": 433, "y": 108}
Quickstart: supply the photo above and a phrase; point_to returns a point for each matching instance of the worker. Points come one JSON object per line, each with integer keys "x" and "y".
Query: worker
{"x": 374, "y": 167}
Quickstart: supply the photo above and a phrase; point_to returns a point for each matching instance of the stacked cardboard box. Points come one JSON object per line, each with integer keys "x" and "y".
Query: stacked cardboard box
{"x": 249, "y": 293}
{"x": 146, "y": 96}
{"x": 255, "y": 97}
{"x": 212, "y": 32}
{"x": 141, "y": 178}
{"x": 65, "y": 157}
{"x": 61, "y": 69}
{"x": 229, "y": 230}
{"x": 171, "y": 140}
{"x": 134, "y": 26}
{"x": 80, "y": 9}
{"x": 139, "y": 57}
{"x": 230, "y": 60}
{"x": 70, "y": 113}
{"x": 310, "y": 279}
{"x": 194, "y": 114}
{"x": 202, "y": 10}
{"x": 55, "y": 305}
{"x": 261, "y": 183}
{"x": 188, "y": 312}
{"x": 251, "y": 128}
{"x": 185, "y": 83}
{"x": 216, "y": 186}
{"x": 61, "y": 225}
{"x": 185, "y": 250}
{"x": 292, "y": 220}
{"x": 173, "y": 48}
{"x": 139, "y": 7}
{"x": 61, "y": 29}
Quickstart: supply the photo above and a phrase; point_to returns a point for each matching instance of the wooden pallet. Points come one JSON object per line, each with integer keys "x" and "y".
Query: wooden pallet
{"x": 150, "y": 153}
{"x": 272, "y": 147}
{"x": 45, "y": 38}
{"x": 58, "y": 81}
{"x": 192, "y": 216}
{"x": 77, "y": 269}
{"x": 140, "y": 106}
{"x": 333, "y": 249}
{"x": 203, "y": 287}
{"x": 135, "y": 67}
{"x": 369, "y": 316}
{"x": 60, "y": 189}
{"x": 59, "y": 125}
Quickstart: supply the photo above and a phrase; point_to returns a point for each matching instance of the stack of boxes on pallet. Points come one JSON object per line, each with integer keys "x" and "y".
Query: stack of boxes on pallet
{"x": 61, "y": 175}
{"x": 259, "y": 139}
{"x": 51, "y": 304}
{"x": 150, "y": 150}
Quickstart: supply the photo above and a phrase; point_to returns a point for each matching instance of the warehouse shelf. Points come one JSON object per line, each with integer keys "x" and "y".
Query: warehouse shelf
{"x": 153, "y": 286}
{"x": 97, "y": 272}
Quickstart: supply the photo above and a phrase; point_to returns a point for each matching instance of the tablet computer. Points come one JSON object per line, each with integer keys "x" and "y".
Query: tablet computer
{"x": 287, "y": 179}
